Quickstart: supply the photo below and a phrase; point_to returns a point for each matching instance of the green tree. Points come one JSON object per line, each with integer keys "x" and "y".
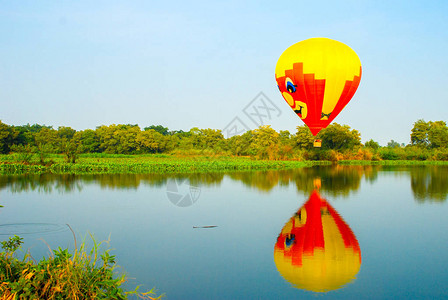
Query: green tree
{"x": 304, "y": 139}
{"x": 90, "y": 142}
{"x": 179, "y": 139}
{"x": 201, "y": 139}
{"x": 46, "y": 141}
{"x": 286, "y": 144}
{"x": 118, "y": 139}
{"x": 7, "y": 136}
{"x": 265, "y": 142}
{"x": 150, "y": 141}
{"x": 286, "y": 138}
{"x": 438, "y": 134}
{"x": 159, "y": 128}
{"x": 372, "y": 144}
{"x": 339, "y": 137}
{"x": 27, "y": 132}
{"x": 180, "y": 133}
{"x": 419, "y": 133}
{"x": 240, "y": 145}
{"x": 72, "y": 147}
{"x": 393, "y": 144}
{"x": 185, "y": 139}
{"x": 66, "y": 132}
{"x": 69, "y": 143}
{"x": 210, "y": 139}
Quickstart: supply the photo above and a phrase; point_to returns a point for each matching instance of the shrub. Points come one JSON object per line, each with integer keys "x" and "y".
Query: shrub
{"x": 390, "y": 153}
{"x": 81, "y": 275}
{"x": 416, "y": 153}
{"x": 320, "y": 154}
{"x": 25, "y": 153}
{"x": 363, "y": 154}
{"x": 441, "y": 154}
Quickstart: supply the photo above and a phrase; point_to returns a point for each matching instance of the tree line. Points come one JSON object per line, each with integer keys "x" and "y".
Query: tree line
{"x": 429, "y": 140}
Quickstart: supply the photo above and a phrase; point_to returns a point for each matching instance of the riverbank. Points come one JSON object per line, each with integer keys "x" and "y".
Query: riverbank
{"x": 145, "y": 164}
{"x": 148, "y": 164}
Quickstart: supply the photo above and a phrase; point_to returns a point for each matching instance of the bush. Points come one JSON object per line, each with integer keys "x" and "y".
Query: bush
{"x": 363, "y": 154}
{"x": 330, "y": 155}
{"x": 25, "y": 153}
{"x": 320, "y": 154}
{"x": 391, "y": 153}
{"x": 81, "y": 275}
{"x": 441, "y": 154}
{"x": 416, "y": 153}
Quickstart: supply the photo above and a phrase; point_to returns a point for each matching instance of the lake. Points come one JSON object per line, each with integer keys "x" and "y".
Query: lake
{"x": 367, "y": 232}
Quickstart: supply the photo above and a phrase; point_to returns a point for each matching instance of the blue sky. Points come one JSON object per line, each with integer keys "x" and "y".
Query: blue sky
{"x": 187, "y": 64}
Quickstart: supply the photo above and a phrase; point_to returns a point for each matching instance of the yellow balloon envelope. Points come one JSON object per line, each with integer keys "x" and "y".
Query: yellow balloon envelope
{"x": 318, "y": 77}
{"x": 316, "y": 249}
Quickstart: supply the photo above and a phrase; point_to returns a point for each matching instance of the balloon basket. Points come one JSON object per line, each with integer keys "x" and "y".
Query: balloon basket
{"x": 317, "y": 143}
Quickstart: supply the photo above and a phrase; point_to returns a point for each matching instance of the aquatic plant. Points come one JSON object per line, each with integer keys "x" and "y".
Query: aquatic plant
{"x": 144, "y": 164}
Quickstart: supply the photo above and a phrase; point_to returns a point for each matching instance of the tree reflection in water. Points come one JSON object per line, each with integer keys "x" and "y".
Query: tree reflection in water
{"x": 428, "y": 183}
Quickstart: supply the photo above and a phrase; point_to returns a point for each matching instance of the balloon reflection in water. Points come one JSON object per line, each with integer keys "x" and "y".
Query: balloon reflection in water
{"x": 316, "y": 249}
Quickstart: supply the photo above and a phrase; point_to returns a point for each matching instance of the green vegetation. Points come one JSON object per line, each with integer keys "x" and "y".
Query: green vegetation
{"x": 40, "y": 148}
{"x": 110, "y": 163}
{"x": 393, "y": 162}
{"x": 81, "y": 275}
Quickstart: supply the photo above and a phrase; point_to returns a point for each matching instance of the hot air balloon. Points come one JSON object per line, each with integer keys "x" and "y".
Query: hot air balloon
{"x": 316, "y": 250}
{"x": 318, "y": 77}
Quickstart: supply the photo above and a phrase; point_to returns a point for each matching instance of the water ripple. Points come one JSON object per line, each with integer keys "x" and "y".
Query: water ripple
{"x": 31, "y": 228}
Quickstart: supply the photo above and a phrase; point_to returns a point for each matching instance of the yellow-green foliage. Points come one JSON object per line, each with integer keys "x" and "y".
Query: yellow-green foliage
{"x": 145, "y": 164}
{"x": 55, "y": 150}
{"x": 64, "y": 275}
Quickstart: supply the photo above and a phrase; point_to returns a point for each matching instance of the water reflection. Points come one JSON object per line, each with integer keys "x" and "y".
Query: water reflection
{"x": 335, "y": 180}
{"x": 316, "y": 250}
{"x": 428, "y": 183}
{"x": 46, "y": 183}
{"x": 49, "y": 183}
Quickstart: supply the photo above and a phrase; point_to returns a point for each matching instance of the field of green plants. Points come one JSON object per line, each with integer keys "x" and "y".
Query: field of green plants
{"x": 97, "y": 163}
{"x": 115, "y": 163}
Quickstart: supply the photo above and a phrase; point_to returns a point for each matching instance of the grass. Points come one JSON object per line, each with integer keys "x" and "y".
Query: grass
{"x": 144, "y": 164}
{"x": 101, "y": 163}
{"x": 80, "y": 275}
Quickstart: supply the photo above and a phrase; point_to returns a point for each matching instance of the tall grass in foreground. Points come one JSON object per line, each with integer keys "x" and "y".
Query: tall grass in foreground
{"x": 81, "y": 275}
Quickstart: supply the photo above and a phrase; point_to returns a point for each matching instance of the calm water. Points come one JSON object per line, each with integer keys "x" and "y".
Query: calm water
{"x": 369, "y": 232}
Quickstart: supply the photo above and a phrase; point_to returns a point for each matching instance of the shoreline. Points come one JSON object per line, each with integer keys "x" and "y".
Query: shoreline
{"x": 153, "y": 165}
{"x": 141, "y": 164}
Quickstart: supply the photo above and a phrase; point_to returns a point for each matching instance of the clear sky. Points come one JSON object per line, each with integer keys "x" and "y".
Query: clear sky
{"x": 185, "y": 64}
